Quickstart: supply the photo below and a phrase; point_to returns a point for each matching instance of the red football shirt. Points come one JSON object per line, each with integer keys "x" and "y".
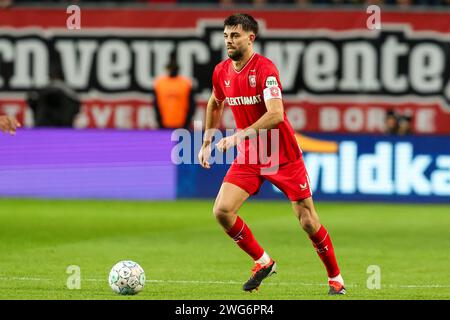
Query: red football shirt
{"x": 244, "y": 92}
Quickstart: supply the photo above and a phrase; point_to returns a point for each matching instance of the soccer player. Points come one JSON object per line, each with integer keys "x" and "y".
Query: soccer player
{"x": 250, "y": 84}
{"x": 8, "y": 125}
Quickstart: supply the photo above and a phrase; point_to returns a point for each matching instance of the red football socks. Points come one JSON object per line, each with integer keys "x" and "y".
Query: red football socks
{"x": 322, "y": 243}
{"x": 244, "y": 238}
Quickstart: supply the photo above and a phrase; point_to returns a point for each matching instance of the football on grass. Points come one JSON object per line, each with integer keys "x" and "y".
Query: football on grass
{"x": 127, "y": 278}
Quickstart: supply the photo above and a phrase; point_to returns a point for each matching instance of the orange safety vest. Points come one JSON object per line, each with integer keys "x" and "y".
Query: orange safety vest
{"x": 173, "y": 100}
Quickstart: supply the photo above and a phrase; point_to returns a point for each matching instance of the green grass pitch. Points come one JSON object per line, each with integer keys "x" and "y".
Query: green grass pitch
{"x": 186, "y": 255}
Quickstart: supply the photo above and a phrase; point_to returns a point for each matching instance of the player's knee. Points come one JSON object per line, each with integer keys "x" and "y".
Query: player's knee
{"x": 224, "y": 216}
{"x": 222, "y": 211}
{"x": 307, "y": 217}
{"x": 309, "y": 224}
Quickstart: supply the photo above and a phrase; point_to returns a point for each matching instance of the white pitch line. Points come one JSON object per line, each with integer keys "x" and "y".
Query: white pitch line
{"x": 222, "y": 282}
{"x": 24, "y": 279}
{"x": 232, "y": 282}
{"x": 416, "y": 286}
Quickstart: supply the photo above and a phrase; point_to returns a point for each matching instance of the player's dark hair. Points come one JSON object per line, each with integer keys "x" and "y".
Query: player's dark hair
{"x": 247, "y": 22}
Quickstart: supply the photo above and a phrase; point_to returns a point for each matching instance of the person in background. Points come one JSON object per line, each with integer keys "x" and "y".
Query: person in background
{"x": 174, "y": 98}
{"x": 404, "y": 125}
{"x": 55, "y": 105}
{"x": 9, "y": 125}
{"x": 391, "y": 123}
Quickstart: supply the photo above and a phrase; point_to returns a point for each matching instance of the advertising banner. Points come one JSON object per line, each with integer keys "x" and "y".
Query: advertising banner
{"x": 357, "y": 168}
{"x": 338, "y": 76}
{"x": 87, "y": 164}
{"x": 150, "y": 165}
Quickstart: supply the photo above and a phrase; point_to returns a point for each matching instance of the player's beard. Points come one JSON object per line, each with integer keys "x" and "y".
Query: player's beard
{"x": 236, "y": 55}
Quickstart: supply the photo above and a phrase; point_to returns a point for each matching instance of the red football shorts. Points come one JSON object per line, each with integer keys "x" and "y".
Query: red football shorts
{"x": 291, "y": 178}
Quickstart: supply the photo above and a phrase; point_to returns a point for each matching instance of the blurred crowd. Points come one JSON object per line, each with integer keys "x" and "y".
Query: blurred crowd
{"x": 400, "y": 3}
{"x": 398, "y": 123}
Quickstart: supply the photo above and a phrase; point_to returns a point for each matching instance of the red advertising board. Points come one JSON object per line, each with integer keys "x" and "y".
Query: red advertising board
{"x": 337, "y": 75}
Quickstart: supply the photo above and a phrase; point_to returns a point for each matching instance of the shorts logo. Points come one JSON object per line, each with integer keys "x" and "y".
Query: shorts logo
{"x": 252, "y": 80}
{"x": 304, "y": 186}
{"x": 271, "y": 82}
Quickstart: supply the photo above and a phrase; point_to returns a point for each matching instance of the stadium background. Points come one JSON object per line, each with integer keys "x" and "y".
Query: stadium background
{"x": 339, "y": 79}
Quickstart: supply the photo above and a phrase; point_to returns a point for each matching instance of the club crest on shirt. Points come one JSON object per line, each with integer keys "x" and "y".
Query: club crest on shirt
{"x": 252, "y": 80}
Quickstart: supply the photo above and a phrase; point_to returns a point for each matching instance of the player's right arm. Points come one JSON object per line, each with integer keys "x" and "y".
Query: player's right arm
{"x": 8, "y": 124}
{"x": 214, "y": 111}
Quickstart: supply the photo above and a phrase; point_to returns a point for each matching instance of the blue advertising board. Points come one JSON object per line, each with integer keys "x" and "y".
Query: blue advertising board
{"x": 364, "y": 168}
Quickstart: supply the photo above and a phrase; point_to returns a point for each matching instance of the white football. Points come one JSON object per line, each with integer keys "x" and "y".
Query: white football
{"x": 127, "y": 278}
